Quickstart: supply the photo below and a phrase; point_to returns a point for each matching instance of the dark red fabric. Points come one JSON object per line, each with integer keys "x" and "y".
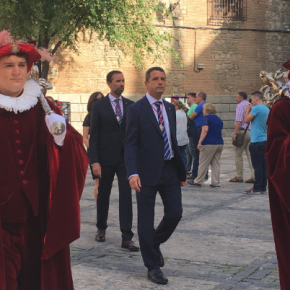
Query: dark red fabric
{"x": 64, "y": 212}
{"x": 278, "y": 162}
{"x": 29, "y": 49}
{"x": 2, "y": 263}
{"x": 22, "y": 250}
{"x": 45, "y": 166}
{"x": 287, "y": 66}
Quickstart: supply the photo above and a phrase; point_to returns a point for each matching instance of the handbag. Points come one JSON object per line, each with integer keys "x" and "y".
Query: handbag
{"x": 240, "y": 138}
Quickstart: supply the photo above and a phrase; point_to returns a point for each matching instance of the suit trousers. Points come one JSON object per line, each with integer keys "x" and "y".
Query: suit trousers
{"x": 170, "y": 192}
{"x": 125, "y": 199}
{"x": 239, "y": 158}
{"x": 209, "y": 155}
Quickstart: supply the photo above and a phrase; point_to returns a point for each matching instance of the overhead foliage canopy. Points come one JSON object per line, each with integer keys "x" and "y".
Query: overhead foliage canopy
{"x": 127, "y": 25}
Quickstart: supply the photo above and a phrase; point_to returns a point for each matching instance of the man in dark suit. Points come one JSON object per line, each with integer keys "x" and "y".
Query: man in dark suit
{"x": 108, "y": 126}
{"x": 153, "y": 160}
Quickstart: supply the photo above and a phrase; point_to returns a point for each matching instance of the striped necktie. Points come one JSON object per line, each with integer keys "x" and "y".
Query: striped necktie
{"x": 167, "y": 153}
{"x": 119, "y": 114}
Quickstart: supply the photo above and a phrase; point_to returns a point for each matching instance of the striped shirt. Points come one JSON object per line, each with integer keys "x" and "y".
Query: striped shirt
{"x": 240, "y": 114}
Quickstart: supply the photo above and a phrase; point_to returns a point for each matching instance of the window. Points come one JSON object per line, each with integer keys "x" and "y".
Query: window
{"x": 220, "y": 11}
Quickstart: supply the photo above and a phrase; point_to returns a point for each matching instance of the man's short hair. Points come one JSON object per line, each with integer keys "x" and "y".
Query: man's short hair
{"x": 110, "y": 75}
{"x": 243, "y": 95}
{"x": 148, "y": 72}
{"x": 203, "y": 95}
{"x": 257, "y": 94}
{"x": 193, "y": 95}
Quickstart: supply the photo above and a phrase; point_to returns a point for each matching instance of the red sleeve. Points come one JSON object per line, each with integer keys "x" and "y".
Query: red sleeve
{"x": 278, "y": 149}
{"x": 67, "y": 169}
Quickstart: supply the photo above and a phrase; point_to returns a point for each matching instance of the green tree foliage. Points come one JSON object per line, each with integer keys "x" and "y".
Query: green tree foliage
{"x": 128, "y": 25}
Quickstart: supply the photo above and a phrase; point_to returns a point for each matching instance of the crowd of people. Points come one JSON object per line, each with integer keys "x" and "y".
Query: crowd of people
{"x": 136, "y": 140}
{"x": 151, "y": 145}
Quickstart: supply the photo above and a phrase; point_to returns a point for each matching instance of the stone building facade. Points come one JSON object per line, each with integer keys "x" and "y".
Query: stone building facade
{"x": 232, "y": 54}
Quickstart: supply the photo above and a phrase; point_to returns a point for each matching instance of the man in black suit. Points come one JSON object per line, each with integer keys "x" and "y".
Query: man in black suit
{"x": 108, "y": 126}
{"x": 153, "y": 164}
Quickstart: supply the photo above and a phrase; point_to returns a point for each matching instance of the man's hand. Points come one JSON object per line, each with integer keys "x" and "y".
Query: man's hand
{"x": 97, "y": 169}
{"x": 248, "y": 108}
{"x": 183, "y": 183}
{"x": 135, "y": 183}
{"x": 234, "y": 137}
{"x": 199, "y": 146}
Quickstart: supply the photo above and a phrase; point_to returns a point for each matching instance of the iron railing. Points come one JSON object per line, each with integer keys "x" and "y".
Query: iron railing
{"x": 220, "y": 11}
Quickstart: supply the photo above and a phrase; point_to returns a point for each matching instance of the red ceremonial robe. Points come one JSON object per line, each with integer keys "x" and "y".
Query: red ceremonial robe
{"x": 51, "y": 179}
{"x": 278, "y": 162}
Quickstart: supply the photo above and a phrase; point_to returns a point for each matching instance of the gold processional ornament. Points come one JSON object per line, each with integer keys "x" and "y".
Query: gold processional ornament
{"x": 273, "y": 88}
{"x": 56, "y": 128}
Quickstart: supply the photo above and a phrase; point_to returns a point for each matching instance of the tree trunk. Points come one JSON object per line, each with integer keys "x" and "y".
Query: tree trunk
{"x": 43, "y": 66}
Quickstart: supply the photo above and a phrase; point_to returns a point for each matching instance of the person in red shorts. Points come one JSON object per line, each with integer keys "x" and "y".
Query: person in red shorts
{"x": 41, "y": 179}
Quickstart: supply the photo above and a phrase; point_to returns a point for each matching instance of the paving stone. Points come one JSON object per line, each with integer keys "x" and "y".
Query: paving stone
{"x": 223, "y": 242}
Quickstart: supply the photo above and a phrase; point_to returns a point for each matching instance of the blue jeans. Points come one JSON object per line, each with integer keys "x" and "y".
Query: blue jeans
{"x": 196, "y": 153}
{"x": 181, "y": 150}
{"x": 259, "y": 163}
{"x": 189, "y": 154}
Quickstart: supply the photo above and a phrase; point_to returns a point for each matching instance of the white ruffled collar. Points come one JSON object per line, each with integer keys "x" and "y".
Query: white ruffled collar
{"x": 25, "y": 102}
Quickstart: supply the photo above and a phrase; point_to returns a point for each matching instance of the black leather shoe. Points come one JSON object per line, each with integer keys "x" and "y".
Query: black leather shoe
{"x": 100, "y": 236}
{"x": 156, "y": 276}
{"x": 160, "y": 257}
{"x": 130, "y": 246}
{"x": 191, "y": 177}
{"x": 194, "y": 184}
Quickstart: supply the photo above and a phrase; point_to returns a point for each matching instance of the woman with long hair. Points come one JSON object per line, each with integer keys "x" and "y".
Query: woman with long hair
{"x": 86, "y": 133}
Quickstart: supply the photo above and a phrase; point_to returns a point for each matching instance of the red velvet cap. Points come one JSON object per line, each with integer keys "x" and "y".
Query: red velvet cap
{"x": 287, "y": 66}
{"x": 8, "y": 46}
{"x": 29, "y": 49}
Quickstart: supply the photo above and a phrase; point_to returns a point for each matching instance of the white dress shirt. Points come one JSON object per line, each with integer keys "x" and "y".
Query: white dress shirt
{"x": 165, "y": 119}
{"x": 113, "y": 101}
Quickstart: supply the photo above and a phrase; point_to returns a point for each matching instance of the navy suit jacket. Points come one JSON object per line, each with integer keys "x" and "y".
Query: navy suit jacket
{"x": 144, "y": 144}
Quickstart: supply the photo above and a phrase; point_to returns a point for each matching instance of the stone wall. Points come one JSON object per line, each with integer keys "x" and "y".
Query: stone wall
{"x": 232, "y": 59}
{"x": 278, "y": 44}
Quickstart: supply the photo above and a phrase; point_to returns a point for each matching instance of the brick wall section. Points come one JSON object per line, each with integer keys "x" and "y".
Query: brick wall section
{"x": 232, "y": 59}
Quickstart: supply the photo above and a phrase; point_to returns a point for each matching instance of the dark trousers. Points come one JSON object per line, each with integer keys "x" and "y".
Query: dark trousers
{"x": 181, "y": 150}
{"x": 125, "y": 199}
{"x": 170, "y": 192}
{"x": 196, "y": 137}
{"x": 259, "y": 163}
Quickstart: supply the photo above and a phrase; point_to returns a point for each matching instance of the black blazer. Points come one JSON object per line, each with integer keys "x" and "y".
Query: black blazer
{"x": 144, "y": 144}
{"x": 106, "y": 136}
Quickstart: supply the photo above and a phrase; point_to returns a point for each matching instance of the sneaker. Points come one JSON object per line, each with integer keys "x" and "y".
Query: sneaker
{"x": 251, "y": 191}
{"x": 191, "y": 177}
{"x": 194, "y": 184}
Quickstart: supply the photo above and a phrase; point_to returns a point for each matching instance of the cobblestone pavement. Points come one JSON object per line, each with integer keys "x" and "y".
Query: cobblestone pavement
{"x": 223, "y": 242}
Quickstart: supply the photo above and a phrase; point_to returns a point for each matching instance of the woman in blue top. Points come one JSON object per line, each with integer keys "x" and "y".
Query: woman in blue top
{"x": 210, "y": 146}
